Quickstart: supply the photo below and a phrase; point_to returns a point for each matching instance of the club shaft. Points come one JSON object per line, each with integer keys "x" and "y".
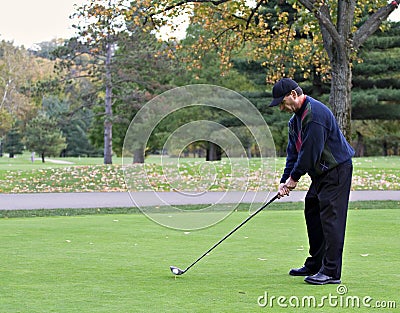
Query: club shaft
{"x": 232, "y": 231}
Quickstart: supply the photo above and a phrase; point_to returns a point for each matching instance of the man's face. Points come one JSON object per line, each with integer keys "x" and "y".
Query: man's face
{"x": 289, "y": 103}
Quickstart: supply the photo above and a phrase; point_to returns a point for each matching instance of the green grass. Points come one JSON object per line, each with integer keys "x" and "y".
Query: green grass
{"x": 23, "y": 162}
{"x": 19, "y": 175}
{"x": 120, "y": 262}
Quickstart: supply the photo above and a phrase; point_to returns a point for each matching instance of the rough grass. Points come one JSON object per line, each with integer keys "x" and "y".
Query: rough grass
{"x": 19, "y": 175}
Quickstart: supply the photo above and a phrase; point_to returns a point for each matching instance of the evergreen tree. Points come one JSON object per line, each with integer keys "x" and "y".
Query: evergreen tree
{"x": 376, "y": 81}
{"x": 376, "y": 94}
{"x": 44, "y": 137}
{"x": 13, "y": 143}
{"x": 74, "y": 124}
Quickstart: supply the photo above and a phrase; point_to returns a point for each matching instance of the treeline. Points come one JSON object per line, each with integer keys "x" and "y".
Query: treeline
{"x": 375, "y": 95}
{"x": 54, "y": 99}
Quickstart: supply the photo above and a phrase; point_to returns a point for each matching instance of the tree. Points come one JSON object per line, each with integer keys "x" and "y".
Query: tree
{"x": 341, "y": 40}
{"x": 376, "y": 94}
{"x": 183, "y": 117}
{"x": 74, "y": 124}
{"x": 139, "y": 72}
{"x": 340, "y": 27}
{"x": 44, "y": 137}
{"x": 17, "y": 71}
{"x": 13, "y": 143}
{"x": 210, "y": 71}
{"x": 376, "y": 137}
{"x": 102, "y": 23}
{"x": 129, "y": 73}
{"x": 6, "y": 121}
{"x": 45, "y": 49}
{"x": 376, "y": 80}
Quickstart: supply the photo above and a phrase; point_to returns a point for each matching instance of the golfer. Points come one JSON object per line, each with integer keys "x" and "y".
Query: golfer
{"x": 317, "y": 147}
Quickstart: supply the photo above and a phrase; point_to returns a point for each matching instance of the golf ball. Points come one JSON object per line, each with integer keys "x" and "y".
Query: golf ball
{"x": 175, "y": 271}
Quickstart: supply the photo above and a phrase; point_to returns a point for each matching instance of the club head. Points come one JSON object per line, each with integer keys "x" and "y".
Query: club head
{"x": 176, "y": 270}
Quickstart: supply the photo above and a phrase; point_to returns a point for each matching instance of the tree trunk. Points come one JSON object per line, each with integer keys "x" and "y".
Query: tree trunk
{"x": 108, "y": 109}
{"x": 317, "y": 84}
{"x": 138, "y": 155}
{"x": 43, "y": 157}
{"x": 340, "y": 96}
{"x": 213, "y": 152}
{"x": 384, "y": 148}
{"x": 249, "y": 152}
{"x": 360, "y": 147}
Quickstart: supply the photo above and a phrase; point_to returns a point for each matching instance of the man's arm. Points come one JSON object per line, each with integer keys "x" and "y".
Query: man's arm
{"x": 308, "y": 156}
{"x": 291, "y": 159}
{"x": 291, "y": 156}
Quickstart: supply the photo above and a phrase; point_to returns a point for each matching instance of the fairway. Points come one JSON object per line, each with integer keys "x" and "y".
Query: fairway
{"x": 120, "y": 263}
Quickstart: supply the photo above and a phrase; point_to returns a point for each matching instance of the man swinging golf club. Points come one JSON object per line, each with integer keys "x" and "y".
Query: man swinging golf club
{"x": 317, "y": 146}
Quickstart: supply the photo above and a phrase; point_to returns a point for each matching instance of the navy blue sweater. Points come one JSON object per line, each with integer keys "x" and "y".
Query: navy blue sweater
{"x": 316, "y": 143}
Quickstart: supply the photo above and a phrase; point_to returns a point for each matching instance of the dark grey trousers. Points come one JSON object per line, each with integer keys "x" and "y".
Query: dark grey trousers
{"x": 326, "y": 206}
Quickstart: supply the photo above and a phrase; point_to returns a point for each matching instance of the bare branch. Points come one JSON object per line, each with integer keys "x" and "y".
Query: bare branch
{"x": 308, "y": 4}
{"x": 180, "y": 3}
{"x": 373, "y": 22}
{"x": 329, "y": 32}
{"x": 325, "y": 20}
{"x": 253, "y": 11}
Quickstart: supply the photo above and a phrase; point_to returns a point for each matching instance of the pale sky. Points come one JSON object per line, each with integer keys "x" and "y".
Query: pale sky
{"x": 32, "y": 21}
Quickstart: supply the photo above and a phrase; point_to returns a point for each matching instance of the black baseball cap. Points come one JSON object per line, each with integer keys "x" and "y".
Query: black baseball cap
{"x": 281, "y": 89}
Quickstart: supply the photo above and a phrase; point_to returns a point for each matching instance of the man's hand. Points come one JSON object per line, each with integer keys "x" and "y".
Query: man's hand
{"x": 285, "y": 188}
{"x": 290, "y": 183}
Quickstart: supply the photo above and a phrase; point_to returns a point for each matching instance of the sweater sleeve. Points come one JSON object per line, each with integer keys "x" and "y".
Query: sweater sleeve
{"x": 313, "y": 141}
{"x": 291, "y": 157}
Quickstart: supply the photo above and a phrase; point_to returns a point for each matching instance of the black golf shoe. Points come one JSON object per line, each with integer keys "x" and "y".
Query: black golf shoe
{"x": 321, "y": 279}
{"x": 302, "y": 271}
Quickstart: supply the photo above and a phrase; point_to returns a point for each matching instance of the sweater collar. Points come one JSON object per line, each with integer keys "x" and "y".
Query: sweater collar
{"x": 303, "y": 107}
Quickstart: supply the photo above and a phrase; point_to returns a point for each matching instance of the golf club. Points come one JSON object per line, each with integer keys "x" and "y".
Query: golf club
{"x": 177, "y": 271}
